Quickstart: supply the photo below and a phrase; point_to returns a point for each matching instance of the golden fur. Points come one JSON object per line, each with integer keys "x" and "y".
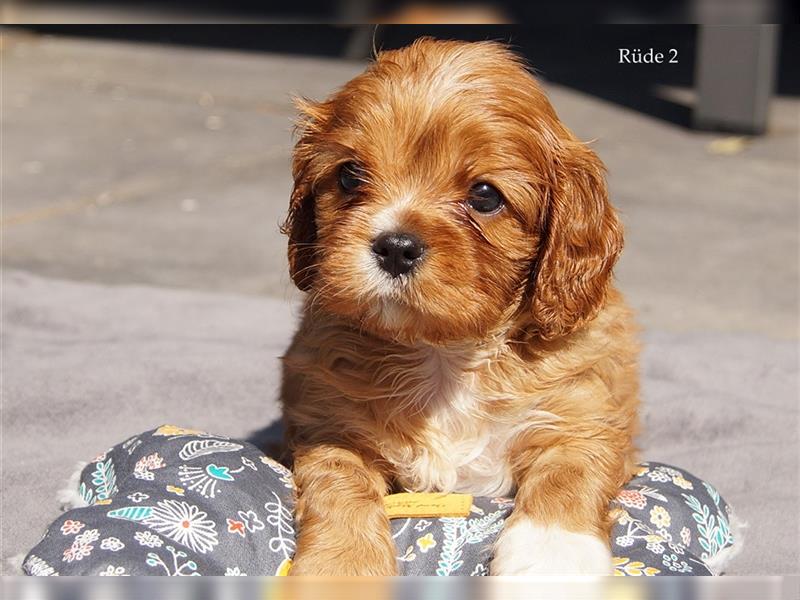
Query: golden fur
{"x": 506, "y": 362}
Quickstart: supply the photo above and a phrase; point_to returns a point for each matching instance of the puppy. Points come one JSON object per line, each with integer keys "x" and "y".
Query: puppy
{"x": 460, "y": 332}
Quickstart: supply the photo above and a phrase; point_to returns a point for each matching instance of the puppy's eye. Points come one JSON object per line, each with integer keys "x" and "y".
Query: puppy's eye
{"x": 351, "y": 176}
{"x": 485, "y": 198}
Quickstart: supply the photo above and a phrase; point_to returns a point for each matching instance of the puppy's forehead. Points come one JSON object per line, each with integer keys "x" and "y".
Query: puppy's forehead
{"x": 416, "y": 100}
{"x": 427, "y": 80}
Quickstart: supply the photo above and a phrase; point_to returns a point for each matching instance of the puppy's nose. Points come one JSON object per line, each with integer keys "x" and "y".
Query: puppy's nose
{"x": 397, "y": 253}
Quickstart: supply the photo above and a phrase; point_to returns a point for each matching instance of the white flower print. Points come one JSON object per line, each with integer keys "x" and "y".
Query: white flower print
{"x": 422, "y": 525}
{"x": 184, "y": 523}
{"x": 81, "y": 546}
{"x": 677, "y": 548}
{"x": 625, "y": 540}
{"x": 148, "y": 538}
{"x": 137, "y": 497}
{"x": 686, "y": 536}
{"x": 111, "y": 544}
{"x": 112, "y": 571}
{"x": 251, "y": 521}
{"x": 655, "y": 547}
{"x": 675, "y": 565}
{"x": 664, "y": 533}
{"x": 76, "y": 552}
{"x": 249, "y": 464}
{"x": 87, "y": 537}
{"x": 659, "y": 476}
{"x": 234, "y": 572}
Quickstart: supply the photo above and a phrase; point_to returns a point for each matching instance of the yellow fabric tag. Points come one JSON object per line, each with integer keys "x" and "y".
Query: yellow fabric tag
{"x": 404, "y": 506}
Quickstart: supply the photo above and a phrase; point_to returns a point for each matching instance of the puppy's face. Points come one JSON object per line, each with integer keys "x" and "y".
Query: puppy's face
{"x": 437, "y": 193}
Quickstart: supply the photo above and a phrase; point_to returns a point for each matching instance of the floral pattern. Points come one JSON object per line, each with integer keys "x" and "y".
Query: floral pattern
{"x": 145, "y": 466}
{"x": 71, "y": 527}
{"x": 148, "y": 538}
{"x": 178, "y": 502}
{"x": 681, "y": 532}
{"x": 659, "y": 516}
{"x": 112, "y": 544}
{"x": 426, "y": 542}
{"x": 81, "y": 546}
{"x": 633, "y": 568}
{"x": 184, "y": 523}
{"x": 112, "y": 571}
{"x": 181, "y": 502}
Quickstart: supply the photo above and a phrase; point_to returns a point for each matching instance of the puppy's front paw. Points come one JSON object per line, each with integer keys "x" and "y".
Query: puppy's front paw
{"x": 525, "y": 548}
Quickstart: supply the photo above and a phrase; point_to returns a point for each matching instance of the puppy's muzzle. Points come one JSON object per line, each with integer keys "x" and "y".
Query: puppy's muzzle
{"x": 397, "y": 253}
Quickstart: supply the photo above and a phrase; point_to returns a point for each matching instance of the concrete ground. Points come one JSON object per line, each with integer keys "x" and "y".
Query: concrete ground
{"x": 129, "y": 163}
{"x": 169, "y": 167}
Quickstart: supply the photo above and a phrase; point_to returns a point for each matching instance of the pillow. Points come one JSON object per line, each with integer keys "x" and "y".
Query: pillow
{"x": 175, "y": 501}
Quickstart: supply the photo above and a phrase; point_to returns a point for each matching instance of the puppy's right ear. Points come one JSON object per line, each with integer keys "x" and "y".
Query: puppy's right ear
{"x": 300, "y": 225}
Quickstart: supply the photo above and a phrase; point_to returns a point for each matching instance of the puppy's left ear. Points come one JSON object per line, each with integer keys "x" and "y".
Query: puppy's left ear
{"x": 300, "y": 225}
{"x": 581, "y": 241}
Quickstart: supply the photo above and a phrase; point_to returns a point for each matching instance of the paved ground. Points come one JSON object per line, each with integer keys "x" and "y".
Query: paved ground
{"x": 128, "y": 163}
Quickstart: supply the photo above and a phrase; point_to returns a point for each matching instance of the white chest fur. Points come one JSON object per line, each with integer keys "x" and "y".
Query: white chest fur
{"x": 461, "y": 449}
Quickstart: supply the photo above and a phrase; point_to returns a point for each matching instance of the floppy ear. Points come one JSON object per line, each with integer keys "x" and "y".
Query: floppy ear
{"x": 300, "y": 225}
{"x": 582, "y": 238}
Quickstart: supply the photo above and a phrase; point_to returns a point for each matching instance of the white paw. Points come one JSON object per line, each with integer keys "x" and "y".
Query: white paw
{"x": 525, "y": 548}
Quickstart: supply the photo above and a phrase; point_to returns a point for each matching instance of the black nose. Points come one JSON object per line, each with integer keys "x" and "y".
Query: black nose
{"x": 397, "y": 253}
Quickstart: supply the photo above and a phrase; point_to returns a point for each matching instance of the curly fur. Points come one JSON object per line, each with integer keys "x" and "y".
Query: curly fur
{"x": 507, "y": 361}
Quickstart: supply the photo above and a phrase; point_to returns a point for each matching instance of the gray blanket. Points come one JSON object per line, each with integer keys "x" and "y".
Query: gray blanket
{"x": 85, "y": 366}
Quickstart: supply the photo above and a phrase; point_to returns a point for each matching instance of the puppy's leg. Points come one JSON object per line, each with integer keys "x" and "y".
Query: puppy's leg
{"x": 343, "y": 527}
{"x": 560, "y": 524}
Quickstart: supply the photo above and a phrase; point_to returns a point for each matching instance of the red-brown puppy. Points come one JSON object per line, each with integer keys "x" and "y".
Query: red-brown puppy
{"x": 460, "y": 332}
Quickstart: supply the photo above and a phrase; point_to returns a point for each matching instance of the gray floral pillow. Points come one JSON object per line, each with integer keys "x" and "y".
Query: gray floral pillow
{"x": 175, "y": 501}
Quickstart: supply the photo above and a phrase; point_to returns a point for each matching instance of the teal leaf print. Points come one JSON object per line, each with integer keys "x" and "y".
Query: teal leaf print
{"x": 480, "y": 529}
{"x": 86, "y": 494}
{"x": 130, "y": 513}
{"x": 104, "y": 480}
{"x": 177, "y": 568}
{"x": 713, "y": 531}
{"x": 450, "y": 558}
{"x": 460, "y": 531}
{"x": 712, "y": 492}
